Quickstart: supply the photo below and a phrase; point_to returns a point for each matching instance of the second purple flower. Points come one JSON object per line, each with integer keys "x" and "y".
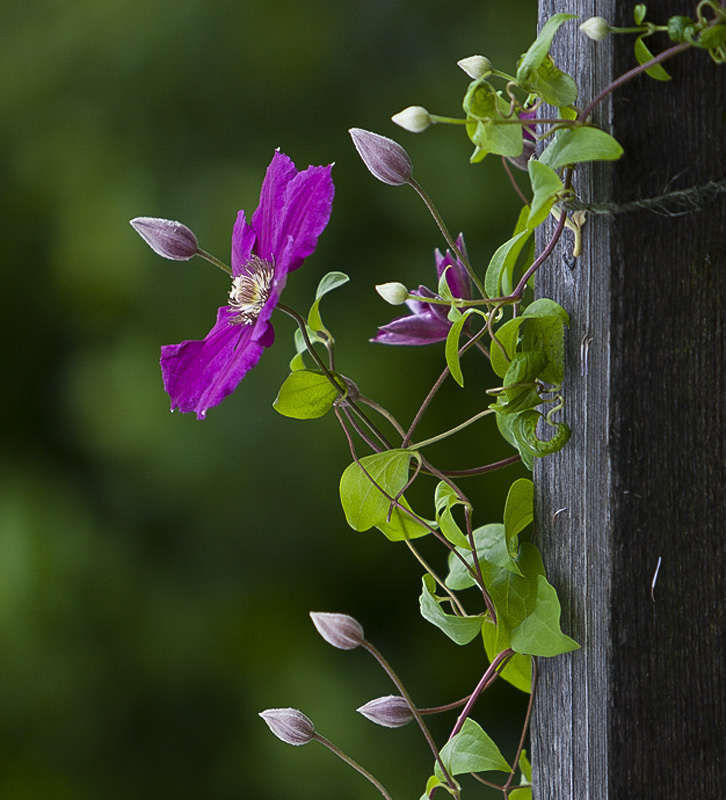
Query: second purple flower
{"x": 428, "y": 322}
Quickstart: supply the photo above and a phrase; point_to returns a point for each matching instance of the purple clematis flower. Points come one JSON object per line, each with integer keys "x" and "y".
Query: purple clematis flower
{"x": 428, "y": 322}
{"x": 293, "y": 211}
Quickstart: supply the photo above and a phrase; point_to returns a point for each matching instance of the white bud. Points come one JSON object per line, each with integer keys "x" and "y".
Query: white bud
{"x": 394, "y": 293}
{"x": 414, "y": 118}
{"x": 476, "y": 66}
{"x": 596, "y": 28}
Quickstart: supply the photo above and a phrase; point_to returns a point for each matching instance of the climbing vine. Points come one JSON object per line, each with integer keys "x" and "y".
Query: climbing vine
{"x": 489, "y": 587}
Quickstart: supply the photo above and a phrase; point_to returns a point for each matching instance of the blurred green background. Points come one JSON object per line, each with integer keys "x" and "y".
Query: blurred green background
{"x": 156, "y": 572}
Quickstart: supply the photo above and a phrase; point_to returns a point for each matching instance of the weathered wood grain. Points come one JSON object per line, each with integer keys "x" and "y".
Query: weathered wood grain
{"x": 640, "y": 710}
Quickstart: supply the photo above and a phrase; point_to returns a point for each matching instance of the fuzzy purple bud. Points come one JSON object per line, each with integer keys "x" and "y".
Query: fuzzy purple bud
{"x": 289, "y": 725}
{"x": 391, "y": 711}
{"x": 340, "y": 630}
{"x": 167, "y": 237}
{"x": 385, "y": 159}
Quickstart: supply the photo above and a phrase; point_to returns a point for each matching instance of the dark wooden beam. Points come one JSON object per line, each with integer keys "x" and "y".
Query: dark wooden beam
{"x": 640, "y": 710}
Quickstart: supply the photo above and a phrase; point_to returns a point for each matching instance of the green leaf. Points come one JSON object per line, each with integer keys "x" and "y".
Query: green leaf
{"x": 521, "y": 793}
{"x": 710, "y": 38}
{"x": 363, "y": 503}
{"x": 471, "y": 750}
{"x": 520, "y": 389}
{"x": 328, "y": 282}
{"x": 297, "y": 362}
{"x": 403, "y": 526}
{"x": 460, "y": 630}
{"x": 546, "y": 186}
{"x": 535, "y": 330}
{"x": 452, "y": 349}
{"x": 639, "y": 13}
{"x": 483, "y": 107}
{"x": 305, "y": 395}
{"x": 503, "y": 261}
{"x": 552, "y": 84}
{"x": 643, "y": 55}
{"x": 547, "y": 336}
{"x": 527, "y": 605}
{"x": 445, "y": 498}
{"x": 524, "y": 429}
{"x": 544, "y": 307}
{"x": 507, "y": 334}
{"x": 491, "y": 546}
{"x": 518, "y": 509}
{"x": 525, "y": 767}
{"x": 539, "y": 633}
{"x": 518, "y": 670}
{"x": 574, "y": 145}
{"x": 431, "y": 784}
{"x": 539, "y": 50}
{"x": 504, "y": 424}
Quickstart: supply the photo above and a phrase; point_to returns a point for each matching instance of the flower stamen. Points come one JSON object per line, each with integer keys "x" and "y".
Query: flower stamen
{"x": 250, "y": 291}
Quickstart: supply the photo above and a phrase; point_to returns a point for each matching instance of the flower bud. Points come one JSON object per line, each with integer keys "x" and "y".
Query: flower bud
{"x": 414, "y": 118}
{"x": 476, "y": 66}
{"x": 289, "y": 725}
{"x": 394, "y": 293}
{"x": 385, "y": 159}
{"x": 167, "y": 237}
{"x": 391, "y": 711}
{"x": 596, "y": 28}
{"x": 340, "y": 630}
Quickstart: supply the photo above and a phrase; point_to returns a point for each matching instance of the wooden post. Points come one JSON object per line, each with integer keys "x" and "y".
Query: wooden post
{"x": 640, "y": 491}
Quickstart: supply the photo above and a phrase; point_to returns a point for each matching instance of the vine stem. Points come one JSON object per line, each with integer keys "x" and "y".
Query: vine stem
{"x": 445, "y": 231}
{"x": 416, "y": 713}
{"x": 398, "y": 504}
{"x": 356, "y": 766}
{"x": 524, "y": 727}
{"x": 487, "y": 678}
{"x": 437, "y": 385}
{"x": 626, "y": 76}
{"x": 342, "y": 391}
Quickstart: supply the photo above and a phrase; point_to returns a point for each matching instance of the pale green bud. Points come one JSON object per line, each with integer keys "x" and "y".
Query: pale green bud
{"x": 596, "y": 28}
{"x": 476, "y": 66}
{"x": 414, "y": 118}
{"x": 394, "y": 293}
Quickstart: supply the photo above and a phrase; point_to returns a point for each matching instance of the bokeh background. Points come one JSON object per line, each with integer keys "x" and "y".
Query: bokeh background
{"x": 156, "y": 572}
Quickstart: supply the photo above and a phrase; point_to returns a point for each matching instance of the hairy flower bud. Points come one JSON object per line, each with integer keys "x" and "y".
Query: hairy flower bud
{"x": 385, "y": 159}
{"x": 476, "y": 66}
{"x": 596, "y": 28}
{"x": 340, "y": 630}
{"x": 394, "y": 293}
{"x": 414, "y": 119}
{"x": 166, "y": 237}
{"x": 391, "y": 711}
{"x": 289, "y": 725}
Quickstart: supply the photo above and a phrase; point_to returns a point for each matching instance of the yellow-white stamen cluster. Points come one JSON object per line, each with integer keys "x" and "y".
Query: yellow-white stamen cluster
{"x": 250, "y": 290}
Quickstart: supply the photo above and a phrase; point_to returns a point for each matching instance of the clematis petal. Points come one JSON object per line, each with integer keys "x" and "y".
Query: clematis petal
{"x": 424, "y": 328}
{"x": 243, "y": 242}
{"x": 457, "y": 277}
{"x": 199, "y": 374}
{"x": 294, "y": 209}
